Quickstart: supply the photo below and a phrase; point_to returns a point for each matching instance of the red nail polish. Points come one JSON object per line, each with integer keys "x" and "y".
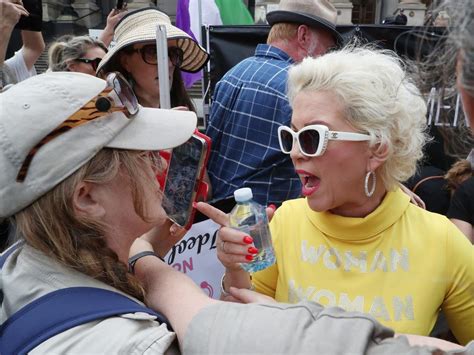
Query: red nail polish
{"x": 272, "y": 206}
{"x": 252, "y": 250}
{"x": 194, "y": 204}
{"x": 249, "y": 257}
{"x": 248, "y": 239}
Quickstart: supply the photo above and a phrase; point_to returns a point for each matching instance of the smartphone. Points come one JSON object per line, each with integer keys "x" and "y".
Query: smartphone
{"x": 120, "y": 4}
{"x": 184, "y": 183}
{"x": 34, "y": 22}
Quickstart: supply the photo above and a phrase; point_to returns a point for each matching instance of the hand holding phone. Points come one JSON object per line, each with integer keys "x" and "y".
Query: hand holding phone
{"x": 34, "y": 21}
{"x": 120, "y": 4}
{"x": 184, "y": 179}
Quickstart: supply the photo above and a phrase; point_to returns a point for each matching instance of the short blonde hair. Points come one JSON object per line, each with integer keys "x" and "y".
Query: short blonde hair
{"x": 379, "y": 99}
{"x": 282, "y": 31}
{"x": 68, "y": 48}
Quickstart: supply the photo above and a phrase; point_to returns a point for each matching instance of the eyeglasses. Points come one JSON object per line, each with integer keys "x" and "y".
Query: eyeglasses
{"x": 116, "y": 97}
{"x": 93, "y": 62}
{"x": 149, "y": 55}
{"x": 313, "y": 140}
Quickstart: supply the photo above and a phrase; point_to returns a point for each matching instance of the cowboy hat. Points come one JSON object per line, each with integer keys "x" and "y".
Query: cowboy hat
{"x": 314, "y": 13}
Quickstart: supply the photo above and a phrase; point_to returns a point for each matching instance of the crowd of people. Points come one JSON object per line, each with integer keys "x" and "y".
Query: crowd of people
{"x": 326, "y": 132}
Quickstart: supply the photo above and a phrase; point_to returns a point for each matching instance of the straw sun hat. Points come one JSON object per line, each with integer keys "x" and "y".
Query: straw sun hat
{"x": 140, "y": 26}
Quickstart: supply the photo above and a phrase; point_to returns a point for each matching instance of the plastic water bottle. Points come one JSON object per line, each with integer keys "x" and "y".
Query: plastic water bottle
{"x": 250, "y": 217}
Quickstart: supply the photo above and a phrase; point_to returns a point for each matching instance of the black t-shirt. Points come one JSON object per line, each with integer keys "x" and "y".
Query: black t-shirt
{"x": 430, "y": 186}
{"x": 462, "y": 203}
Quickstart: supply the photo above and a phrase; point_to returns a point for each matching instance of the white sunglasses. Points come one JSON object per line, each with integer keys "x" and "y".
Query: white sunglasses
{"x": 313, "y": 140}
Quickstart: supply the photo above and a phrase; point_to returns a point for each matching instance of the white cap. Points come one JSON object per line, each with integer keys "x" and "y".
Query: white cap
{"x": 243, "y": 194}
{"x": 33, "y": 108}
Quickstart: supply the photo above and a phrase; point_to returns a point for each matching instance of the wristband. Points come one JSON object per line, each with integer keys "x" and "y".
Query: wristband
{"x": 133, "y": 260}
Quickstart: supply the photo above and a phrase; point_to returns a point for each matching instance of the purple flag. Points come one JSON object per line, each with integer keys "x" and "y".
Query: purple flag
{"x": 183, "y": 22}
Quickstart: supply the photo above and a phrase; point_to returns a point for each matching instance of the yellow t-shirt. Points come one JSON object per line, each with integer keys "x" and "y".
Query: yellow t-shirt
{"x": 400, "y": 264}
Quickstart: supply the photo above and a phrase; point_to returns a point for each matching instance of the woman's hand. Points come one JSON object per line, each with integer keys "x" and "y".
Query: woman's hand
{"x": 11, "y": 11}
{"x": 163, "y": 237}
{"x": 138, "y": 246}
{"x": 113, "y": 18}
{"x": 233, "y": 246}
{"x": 420, "y": 340}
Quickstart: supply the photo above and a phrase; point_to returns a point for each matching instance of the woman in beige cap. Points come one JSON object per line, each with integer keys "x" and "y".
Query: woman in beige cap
{"x": 134, "y": 55}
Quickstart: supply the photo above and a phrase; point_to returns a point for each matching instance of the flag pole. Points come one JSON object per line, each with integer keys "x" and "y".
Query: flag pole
{"x": 200, "y": 21}
{"x": 203, "y": 91}
{"x": 162, "y": 63}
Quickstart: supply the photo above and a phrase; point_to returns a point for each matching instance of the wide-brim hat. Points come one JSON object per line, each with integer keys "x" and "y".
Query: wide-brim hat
{"x": 29, "y": 115}
{"x": 140, "y": 26}
{"x": 313, "y": 13}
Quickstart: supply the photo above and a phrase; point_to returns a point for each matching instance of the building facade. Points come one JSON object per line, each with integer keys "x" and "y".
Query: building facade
{"x": 92, "y": 14}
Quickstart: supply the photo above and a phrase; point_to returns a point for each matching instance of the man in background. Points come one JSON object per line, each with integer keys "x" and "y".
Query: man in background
{"x": 250, "y": 104}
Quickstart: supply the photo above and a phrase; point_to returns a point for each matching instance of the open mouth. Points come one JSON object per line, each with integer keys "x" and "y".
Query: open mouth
{"x": 310, "y": 182}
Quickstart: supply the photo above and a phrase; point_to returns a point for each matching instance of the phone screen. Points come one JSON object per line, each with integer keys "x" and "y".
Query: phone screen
{"x": 119, "y": 5}
{"x": 184, "y": 172}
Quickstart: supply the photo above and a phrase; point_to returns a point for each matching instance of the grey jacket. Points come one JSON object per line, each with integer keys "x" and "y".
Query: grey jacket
{"x": 29, "y": 274}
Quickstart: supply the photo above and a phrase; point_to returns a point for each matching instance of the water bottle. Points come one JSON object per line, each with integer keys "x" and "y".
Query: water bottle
{"x": 250, "y": 217}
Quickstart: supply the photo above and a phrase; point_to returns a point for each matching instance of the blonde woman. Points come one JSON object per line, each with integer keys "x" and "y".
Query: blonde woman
{"x": 354, "y": 240}
{"x": 76, "y": 53}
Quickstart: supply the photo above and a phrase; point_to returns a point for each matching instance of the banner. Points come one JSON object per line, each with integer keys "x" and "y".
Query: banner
{"x": 195, "y": 255}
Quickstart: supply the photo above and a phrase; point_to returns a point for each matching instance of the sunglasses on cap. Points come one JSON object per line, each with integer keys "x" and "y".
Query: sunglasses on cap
{"x": 94, "y": 63}
{"x": 116, "y": 97}
{"x": 149, "y": 55}
{"x": 313, "y": 140}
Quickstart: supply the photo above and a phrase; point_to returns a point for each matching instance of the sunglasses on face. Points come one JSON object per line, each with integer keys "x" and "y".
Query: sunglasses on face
{"x": 149, "y": 55}
{"x": 116, "y": 97}
{"x": 313, "y": 140}
{"x": 94, "y": 63}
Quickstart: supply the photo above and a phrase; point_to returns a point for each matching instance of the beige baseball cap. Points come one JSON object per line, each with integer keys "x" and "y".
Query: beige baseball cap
{"x": 35, "y": 107}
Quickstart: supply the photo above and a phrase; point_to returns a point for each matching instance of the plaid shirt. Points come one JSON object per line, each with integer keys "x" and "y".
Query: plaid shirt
{"x": 250, "y": 103}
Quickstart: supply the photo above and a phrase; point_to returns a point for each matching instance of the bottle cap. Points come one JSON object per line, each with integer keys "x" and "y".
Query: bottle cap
{"x": 243, "y": 194}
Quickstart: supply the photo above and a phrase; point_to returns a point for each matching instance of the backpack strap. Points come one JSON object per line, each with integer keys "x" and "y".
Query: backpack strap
{"x": 3, "y": 258}
{"x": 61, "y": 310}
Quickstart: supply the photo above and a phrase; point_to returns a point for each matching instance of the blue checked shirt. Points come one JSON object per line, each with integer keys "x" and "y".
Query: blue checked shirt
{"x": 249, "y": 105}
